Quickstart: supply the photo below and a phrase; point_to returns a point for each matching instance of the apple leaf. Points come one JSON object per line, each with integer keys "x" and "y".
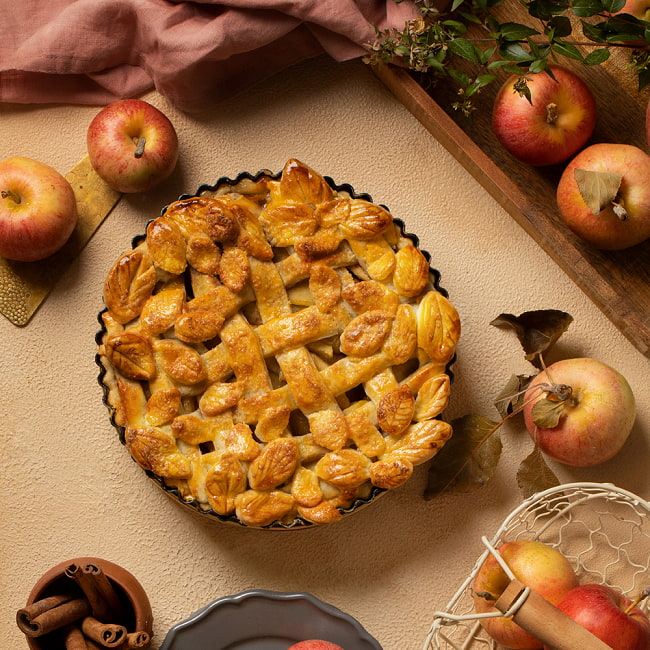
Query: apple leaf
{"x": 511, "y": 397}
{"x": 534, "y": 475}
{"x": 598, "y": 189}
{"x": 468, "y": 459}
{"x": 537, "y": 330}
{"x": 547, "y": 412}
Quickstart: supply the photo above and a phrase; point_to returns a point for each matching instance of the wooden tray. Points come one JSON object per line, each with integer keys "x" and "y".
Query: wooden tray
{"x": 618, "y": 282}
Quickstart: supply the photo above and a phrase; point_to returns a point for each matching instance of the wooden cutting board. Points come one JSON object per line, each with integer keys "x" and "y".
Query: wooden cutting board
{"x": 25, "y": 285}
{"x": 618, "y": 282}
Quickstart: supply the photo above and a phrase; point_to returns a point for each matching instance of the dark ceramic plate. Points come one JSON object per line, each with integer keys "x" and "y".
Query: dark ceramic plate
{"x": 267, "y": 620}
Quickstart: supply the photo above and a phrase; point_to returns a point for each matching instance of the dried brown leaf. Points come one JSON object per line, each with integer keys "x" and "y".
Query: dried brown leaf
{"x": 547, "y": 412}
{"x": 537, "y": 330}
{"x": 468, "y": 459}
{"x": 511, "y": 397}
{"x": 534, "y": 475}
{"x": 598, "y": 189}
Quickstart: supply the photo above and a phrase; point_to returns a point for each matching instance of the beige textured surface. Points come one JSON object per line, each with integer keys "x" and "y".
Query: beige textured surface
{"x": 70, "y": 489}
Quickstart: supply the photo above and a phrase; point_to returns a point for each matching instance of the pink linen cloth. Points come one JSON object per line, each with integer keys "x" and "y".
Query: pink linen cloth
{"x": 194, "y": 53}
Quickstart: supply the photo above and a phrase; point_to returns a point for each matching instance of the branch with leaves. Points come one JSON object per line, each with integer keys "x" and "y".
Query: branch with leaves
{"x": 470, "y": 458}
{"x": 438, "y": 42}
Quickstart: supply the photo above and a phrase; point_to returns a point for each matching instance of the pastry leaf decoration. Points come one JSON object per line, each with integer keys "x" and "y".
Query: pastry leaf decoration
{"x": 598, "y": 189}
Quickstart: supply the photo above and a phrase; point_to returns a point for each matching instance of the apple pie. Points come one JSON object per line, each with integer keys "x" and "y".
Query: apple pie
{"x": 275, "y": 350}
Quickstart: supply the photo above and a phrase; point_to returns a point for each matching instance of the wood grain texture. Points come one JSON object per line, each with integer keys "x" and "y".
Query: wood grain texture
{"x": 618, "y": 282}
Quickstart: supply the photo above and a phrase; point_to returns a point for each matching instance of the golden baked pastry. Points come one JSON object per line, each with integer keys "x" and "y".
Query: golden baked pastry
{"x": 276, "y": 350}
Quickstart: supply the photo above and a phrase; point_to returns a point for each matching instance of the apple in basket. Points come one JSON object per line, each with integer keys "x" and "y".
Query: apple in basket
{"x": 579, "y": 411}
{"x": 38, "y": 209}
{"x": 315, "y": 644}
{"x": 604, "y": 195}
{"x": 550, "y": 125}
{"x": 609, "y": 615}
{"x": 132, "y": 145}
{"x": 539, "y": 566}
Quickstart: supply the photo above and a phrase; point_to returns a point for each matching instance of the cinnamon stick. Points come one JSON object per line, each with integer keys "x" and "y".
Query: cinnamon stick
{"x": 39, "y": 606}
{"x": 47, "y": 619}
{"x": 91, "y": 645}
{"x": 135, "y": 640}
{"x": 108, "y": 635}
{"x": 74, "y": 639}
{"x": 106, "y": 590}
{"x": 104, "y": 602}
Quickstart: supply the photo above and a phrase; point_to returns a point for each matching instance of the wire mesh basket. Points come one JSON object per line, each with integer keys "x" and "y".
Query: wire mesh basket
{"x": 604, "y": 532}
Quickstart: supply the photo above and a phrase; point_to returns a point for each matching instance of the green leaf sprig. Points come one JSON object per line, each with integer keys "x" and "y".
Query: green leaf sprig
{"x": 440, "y": 43}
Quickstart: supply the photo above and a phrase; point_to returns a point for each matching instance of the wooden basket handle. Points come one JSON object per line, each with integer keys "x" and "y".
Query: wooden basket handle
{"x": 545, "y": 621}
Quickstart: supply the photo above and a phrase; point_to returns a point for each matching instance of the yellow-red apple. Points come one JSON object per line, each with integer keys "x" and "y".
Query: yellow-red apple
{"x": 132, "y": 145}
{"x": 539, "y": 566}
{"x": 579, "y": 411}
{"x": 604, "y": 195}
{"x": 550, "y": 128}
{"x": 608, "y": 615}
{"x": 38, "y": 209}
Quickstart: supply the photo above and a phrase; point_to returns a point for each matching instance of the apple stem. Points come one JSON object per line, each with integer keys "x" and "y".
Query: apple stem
{"x": 8, "y": 194}
{"x": 486, "y": 595}
{"x": 139, "y": 150}
{"x": 642, "y": 596}
{"x": 619, "y": 211}
{"x": 561, "y": 391}
{"x": 552, "y": 113}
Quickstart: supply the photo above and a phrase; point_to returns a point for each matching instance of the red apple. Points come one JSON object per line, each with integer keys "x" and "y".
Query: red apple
{"x": 315, "y": 644}
{"x": 132, "y": 145}
{"x": 550, "y": 128}
{"x": 602, "y": 610}
{"x": 591, "y": 425}
{"x": 620, "y": 217}
{"x": 539, "y": 566}
{"x": 38, "y": 210}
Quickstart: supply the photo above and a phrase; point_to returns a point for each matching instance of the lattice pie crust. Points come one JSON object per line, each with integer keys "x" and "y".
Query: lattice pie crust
{"x": 276, "y": 350}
